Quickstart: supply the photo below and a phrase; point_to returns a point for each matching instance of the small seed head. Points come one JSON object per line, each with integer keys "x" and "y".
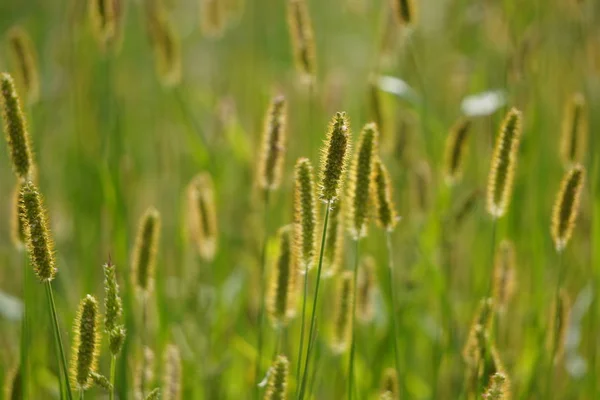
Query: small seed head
{"x": 277, "y": 385}
{"x": 281, "y": 299}
{"x": 144, "y": 252}
{"x": 456, "y": 151}
{"x": 497, "y": 389}
{"x": 342, "y": 320}
{"x": 212, "y": 18}
{"x": 273, "y": 145}
{"x": 566, "y": 207}
{"x": 386, "y": 215}
{"x": 166, "y": 46}
{"x": 172, "y": 378}
{"x": 574, "y": 131}
{"x": 305, "y": 215}
{"x": 101, "y": 381}
{"x": 24, "y": 60}
{"x": 203, "y": 215}
{"x": 334, "y": 158}
{"x": 86, "y": 343}
{"x": 365, "y": 290}
{"x": 405, "y": 11}
{"x": 303, "y": 43}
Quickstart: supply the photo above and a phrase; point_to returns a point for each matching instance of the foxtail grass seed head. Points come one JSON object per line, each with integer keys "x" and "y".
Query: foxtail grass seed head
{"x": 480, "y": 325}
{"x": 334, "y": 158}
{"x": 144, "y": 368}
{"x": 389, "y": 385}
{"x": 504, "y": 275}
{"x": 333, "y": 253}
{"x": 566, "y": 207}
{"x": 405, "y": 11}
{"x": 504, "y": 161}
{"x": 166, "y": 46}
{"x": 557, "y": 330}
{"x": 104, "y": 16}
{"x": 144, "y": 252}
{"x": 365, "y": 290}
{"x": 86, "y": 343}
{"x": 281, "y": 299}
{"x": 277, "y": 385}
{"x": 456, "y": 151}
{"x": 385, "y": 210}
{"x": 301, "y": 34}
{"x": 203, "y": 215}
{"x": 24, "y": 60}
{"x": 17, "y": 227}
{"x": 113, "y": 310}
{"x": 305, "y": 215}
{"x": 574, "y": 131}
{"x": 171, "y": 389}
{"x": 361, "y": 181}
{"x": 421, "y": 187}
{"x": 273, "y": 145}
{"x": 101, "y": 381}
{"x": 153, "y": 395}
{"x": 212, "y": 18}
{"x": 15, "y": 128}
{"x": 497, "y": 389}
{"x": 37, "y": 232}
{"x": 342, "y": 320}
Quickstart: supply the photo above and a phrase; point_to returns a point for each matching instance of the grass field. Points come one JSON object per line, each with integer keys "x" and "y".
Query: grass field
{"x": 146, "y": 120}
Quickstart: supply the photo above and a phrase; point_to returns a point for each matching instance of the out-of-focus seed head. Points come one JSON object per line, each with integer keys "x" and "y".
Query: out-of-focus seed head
{"x": 23, "y": 57}
{"x": 101, "y": 381}
{"x": 305, "y": 215}
{"x": 385, "y": 211}
{"x": 421, "y": 187}
{"x": 145, "y": 368}
{"x": 361, "y": 181}
{"x": 504, "y": 161}
{"x": 86, "y": 343}
{"x": 365, "y": 290}
{"x": 144, "y": 252}
{"x": 573, "y": 143}
{"x": 303, "y": 43}
{"x": 113, "y": 309}
{"x": 456, "y": 151}
{"x": 334, "y": 158}
{"x": 557, "y": 329}
{"x": 203, "y": 215}
{"x": 504, "y": 275}
{"x": 165, "y": 44}
{"x": 497, "y": 389}
{"x": 273, "y": 145}
{"x": 277, "y": 385}
{"x": 405, "y": 11}
{"x": 333, "y": 253}
{"x": 389, "y": 385}
{"x": 566, "y": 207}
{"x": 212, "y": 18}
{"x": 342, "y": 320}
{"x": 479, "y": 326}
{"x": 172, "y": 377}
{"x": 105, "y": 19}
{"x": 153, "y": 395}
{"x": 281, "y": 299}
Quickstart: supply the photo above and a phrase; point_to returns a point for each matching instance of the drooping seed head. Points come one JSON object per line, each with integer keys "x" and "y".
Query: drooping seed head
{"x": 17, "y": 224}
{"x": 334, "y": 158}
{"x": 405, "y": 11}
{"x": 277, "y": 385}
{"x": 574, "y": 131}
{"x": 385, "y": 211}
{"x": 557, "y": 329}
{"x": 203, "y": 215}
{"x": 15, "y": 128}
{"x": 281, "y": 299}
{"x": 497, "y": 389}
{"x": 504, "y": 160}
{"x": 456, "y": 151}
{"x": 165, "y": 44}
{"x": 504, "y": 275}
{"x": 361, "y": 181}
{"x": 24, "y": 60}
{"x": 333, "y": 253}
{"x": 342, "y": 320}
{"x": 305, "y": 215}
{"x": 301, "y": 34}
{"x": 172, "y": 378}
{"x": 566, "y": 207}
{"x": 37, "y": 232}
{"x": 113, "y": 309}
{"x": 86, "y": 343}
{"x": 212, "y": 18}
{"x": 144, "y": 252}
{"x": 101, "y": 381}
{"x": 273, "y": 145}
{"x": 389, "y": 385}
{"x": 365, "y": 290}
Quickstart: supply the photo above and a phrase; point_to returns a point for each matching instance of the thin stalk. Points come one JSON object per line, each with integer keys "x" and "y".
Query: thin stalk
{"x": 25, "y": 333}
{"x": 113, "y": 360}
{"x": 310, "y": 116}
{"x": 550, "y": 375}
{"x": 493, "y": 248}
{"x": 315, "y": 301}
{"x": 80, "y": 394}
{"x": 301, "y": 347}
{"x": 352, "y": 340}
{"x": 62, "y": 358}
{"x": 393, "y": 315}
{"x": 143, "y": 342}
{"x": 261, "y": 291}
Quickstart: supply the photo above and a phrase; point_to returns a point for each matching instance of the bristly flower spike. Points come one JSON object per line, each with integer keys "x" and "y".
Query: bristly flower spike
{"x": 574, "y": 131}
{"x": 305, "y": 215}
{"x": 277, "y": 385}
{"x": 113, "y": 310}
{"x": 24, "y": 58}
{"x": 456, "y": 149}
{"x": 273, "y": 145}
{"x": 301, "y": 34}
{"x": 334, "y": 158}
{"x": 342, "y": 320}
{"x": 566, "y": 206}
{"x": 203, "y": 215}
{"x": 144, "y": 253}
{"x": 504, "y": 160}
{"x": 86, "y": 343}
{"x": 385, "y": 211}
{"x": 281, "y": 297}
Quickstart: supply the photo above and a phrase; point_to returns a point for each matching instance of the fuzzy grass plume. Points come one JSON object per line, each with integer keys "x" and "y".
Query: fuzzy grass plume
{"x": 15, "y": 128}
{"x": 171, "y": 389}
{"x": 405, "y": 11}
{"x": 498, "y": 388}
{"x": 566, "y": 207}
{"x": 105, "y": 18}
{"x": 504, "y": 160}
{"x": 165, "y": 44}
{"x": 342, "y": 318}
{"x": 365, "y": 289}
{"x": 385, "y": 211}
{"x": 361, "y": 181}
{"x": 333, "y": 253}
{"x": 557, "y": 329}
{"x": 23, "y": 57}
{"x": 301, "y": 34}
{"x": 281, "y": 300}
{"x": 456, "y": 151}
{"x": 573, "y": 145}
{"x": 202, "y": 215}
{"x": 212, "y": 18}
{"x": 277, "y": 385}
{"x": 504, "y": 275}
{"x": 334, "y": 158}
{"x": 273, "y": 145}
{"x": 113, "y": 315}
{"x": 144, "y": 252}
{"x": 305, "y": 215}
{"x": 86, "y": 343}
{"x": 389, "y": 385}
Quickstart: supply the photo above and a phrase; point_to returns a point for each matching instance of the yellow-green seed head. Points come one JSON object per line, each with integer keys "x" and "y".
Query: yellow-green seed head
{"x": 305, "y": 215}
{"x": 566, "y": 207}
{"x": 116, "y": 338}
{"x": 389, "y": 385}
{"x": 144, "y": 369}
{"x": 203, "y": 215}
{"x": 153, "y": 395}
{"x": 333, "y": 253}
{"x": 385, "y": 211}
{"x": 557, "y": 329}
{"x": 165, "y": 44}
{"x": 37, "y": 233}
{"x": 86, "y": 343}
{"x": 104, "y": 19}
{"x": 479, "y": 326}
{"x": 361, "y": 181}
{"x": 18, "y": 235}
{"x": 365, "y": 290}
{"x": 342, "y": 320}
{"x": 456, "y": 151}
{"x": 334, "y": 158}
{"x": 273, "y": 145}
{"x": 172, "y": 378}
{"x": 277, "y": 385}
{"x": 23, "y": 57}
{"x": 504, "y": 160}
{"x": 574, "y": 131}
{"x": 405, "y": 11}
{"x": 212, "y": 18}
{"x": 504, "y": 275}
{"x": 281, "y": 299}
{"x": 144, "y": 252}
{"x": 15, "y": 128}
{"x": 113, "y": 309}
{"x": 301, "y": 34}
{"x": 101, "y": 381}
{"x": 498, "y": 388}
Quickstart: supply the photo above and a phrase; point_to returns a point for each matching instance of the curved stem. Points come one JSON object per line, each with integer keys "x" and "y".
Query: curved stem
{"x": 62, "y": 358}
{"x": 394, "y": 317}
{"x": 353, "y": 341}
